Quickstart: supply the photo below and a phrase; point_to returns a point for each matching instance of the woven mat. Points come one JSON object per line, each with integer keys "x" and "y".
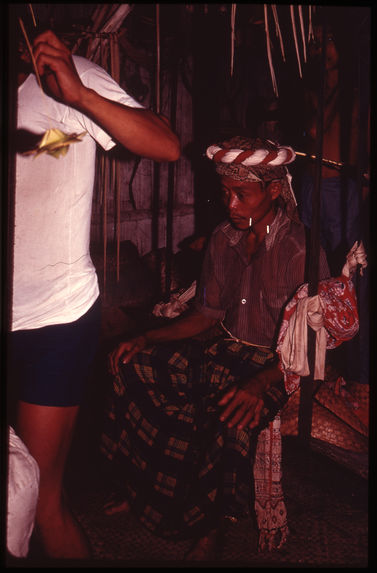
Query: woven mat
{"x": 328, "y": 524}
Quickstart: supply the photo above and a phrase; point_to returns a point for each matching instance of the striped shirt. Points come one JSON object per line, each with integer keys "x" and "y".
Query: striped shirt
{"x": 248, "y": 295}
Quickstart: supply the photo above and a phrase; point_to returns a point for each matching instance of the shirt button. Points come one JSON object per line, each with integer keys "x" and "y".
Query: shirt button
{"x": 243, "y": 301}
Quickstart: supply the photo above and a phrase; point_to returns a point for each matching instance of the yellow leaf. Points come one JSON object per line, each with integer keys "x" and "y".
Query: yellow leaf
{"x": 56, "y": 143}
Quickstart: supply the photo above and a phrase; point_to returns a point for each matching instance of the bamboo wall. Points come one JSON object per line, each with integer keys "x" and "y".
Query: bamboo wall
{"x": 137, "y": 209}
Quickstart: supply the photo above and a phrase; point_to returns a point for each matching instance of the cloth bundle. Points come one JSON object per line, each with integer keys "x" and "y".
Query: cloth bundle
{"x": 332, "y": 314}
{"x": 23, "y": 489}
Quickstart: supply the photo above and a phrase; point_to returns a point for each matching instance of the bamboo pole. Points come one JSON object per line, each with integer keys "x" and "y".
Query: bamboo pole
{"x": 103, "y": 183}
{"x": 295, "y": 39}
{"x": 115, "y": 72}
{"x": 10, "y": 95}
{"x": 302, "y": 28}
{"x": 156, "y": 166}
{"x": 158, "y": 59}
{"x": 171, "y": 182}
{"x": 278, "y": 30}
{"x": 363, "y": 289}
{"x": 232, "y": 34}
{"x": 308, "y": 383}
{"x": 269, "y": 54}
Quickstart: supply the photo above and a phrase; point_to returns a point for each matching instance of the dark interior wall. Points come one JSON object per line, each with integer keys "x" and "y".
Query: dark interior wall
{"x": 58, "y": 16}
{"x": 195, "y": 51}
{"x": 202, "y": 32}
{"x": 195, "y": 55}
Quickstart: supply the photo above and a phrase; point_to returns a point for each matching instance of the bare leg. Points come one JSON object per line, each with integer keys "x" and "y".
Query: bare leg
{"x": 47, "y": 432}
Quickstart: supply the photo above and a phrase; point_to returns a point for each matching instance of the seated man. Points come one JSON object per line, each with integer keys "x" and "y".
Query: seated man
{"x": 186, "y": 410}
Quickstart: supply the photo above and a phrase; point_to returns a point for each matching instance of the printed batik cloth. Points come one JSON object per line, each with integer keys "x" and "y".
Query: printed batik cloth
{"x": 337, "y": 316}
{"x": 180, "y": 467}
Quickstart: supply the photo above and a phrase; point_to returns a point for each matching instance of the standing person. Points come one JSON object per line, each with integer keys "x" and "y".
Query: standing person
{"x": 343, "y": 204}
{"x": 185, "y": 411}
{"x": 340, "y": 225}
{"x": 55, "y": 313}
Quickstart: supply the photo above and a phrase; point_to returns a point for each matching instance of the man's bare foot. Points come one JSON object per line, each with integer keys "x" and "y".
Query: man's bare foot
{"x": 116, "y": 505}
{"x": 206, "y": 548}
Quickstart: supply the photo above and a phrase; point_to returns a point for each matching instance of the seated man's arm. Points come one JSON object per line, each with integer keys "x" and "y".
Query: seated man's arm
{"x": 189, "y": 325}
{"x": 243, "y": 403}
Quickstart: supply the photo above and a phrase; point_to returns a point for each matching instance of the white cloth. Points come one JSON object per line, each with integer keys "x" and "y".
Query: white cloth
{"x": 23, "y": 488}
{"x": 293, "y": 340}
{"x": 356, "y": 256}
{"x": 294, "y": 348}
{"x": 54, "y": 278}
{"x": 177, "y": 303}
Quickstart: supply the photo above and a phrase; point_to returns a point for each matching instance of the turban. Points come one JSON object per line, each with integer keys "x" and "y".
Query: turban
{"x": 255, "y": 159}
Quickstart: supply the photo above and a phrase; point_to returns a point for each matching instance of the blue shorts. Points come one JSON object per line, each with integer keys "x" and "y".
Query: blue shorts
{"x": 49, "y": 366}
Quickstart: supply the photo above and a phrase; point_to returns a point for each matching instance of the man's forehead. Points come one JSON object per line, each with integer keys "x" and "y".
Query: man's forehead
{"x": 245, "y": 185}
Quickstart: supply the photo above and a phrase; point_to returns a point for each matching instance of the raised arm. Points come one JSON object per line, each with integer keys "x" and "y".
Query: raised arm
{"x": 139, "y": 130}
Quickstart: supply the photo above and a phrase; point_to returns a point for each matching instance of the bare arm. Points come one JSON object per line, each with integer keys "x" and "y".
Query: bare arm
{"x": 139, "y": 130}
{"x": 187, "y": 326}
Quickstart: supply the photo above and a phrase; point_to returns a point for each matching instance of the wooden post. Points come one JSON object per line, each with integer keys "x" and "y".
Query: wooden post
{"x": 171, "y": 181}
{"x": 307, "y": 382}
{"x": 156, "y": 167}
{"x": 10, "y": 95}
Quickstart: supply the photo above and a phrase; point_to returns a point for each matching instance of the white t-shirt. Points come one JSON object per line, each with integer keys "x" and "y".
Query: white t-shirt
{"x": 54, "y": 278}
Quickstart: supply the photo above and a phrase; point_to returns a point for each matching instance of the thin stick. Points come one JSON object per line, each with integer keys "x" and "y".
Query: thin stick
{"x": 32, "y": 15}
{"x": 158, "y": 66}
{"x": 278, "y": 31}
{"x": 31, "y": 52}
{"x": 232, "y": 25}
{"x": 34, "y": 66}
{"x": 268, "y": 42}
{"x": 326, "y": 161}
{"x": 295, "y": 39}
{"x": 302, "y": 26}
{"x": 310, "y": 28}
{"x": 114, "y": 67}
{"x": 116, "y": 187}
{"x": 105, "y": 195}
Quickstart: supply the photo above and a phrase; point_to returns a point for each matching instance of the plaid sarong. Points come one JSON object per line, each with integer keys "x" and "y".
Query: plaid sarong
{"x": 180, "y": 467}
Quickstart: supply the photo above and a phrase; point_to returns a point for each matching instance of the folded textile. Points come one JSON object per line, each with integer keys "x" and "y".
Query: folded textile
{"x": 23, "y": 489}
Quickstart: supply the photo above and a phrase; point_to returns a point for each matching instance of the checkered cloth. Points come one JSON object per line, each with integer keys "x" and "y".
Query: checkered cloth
{"x": 180, "y": 468}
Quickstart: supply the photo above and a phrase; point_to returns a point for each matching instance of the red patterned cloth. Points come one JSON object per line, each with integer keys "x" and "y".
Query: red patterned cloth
{"x": 335, "y": 320}
{"x": 337, "y": 305}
